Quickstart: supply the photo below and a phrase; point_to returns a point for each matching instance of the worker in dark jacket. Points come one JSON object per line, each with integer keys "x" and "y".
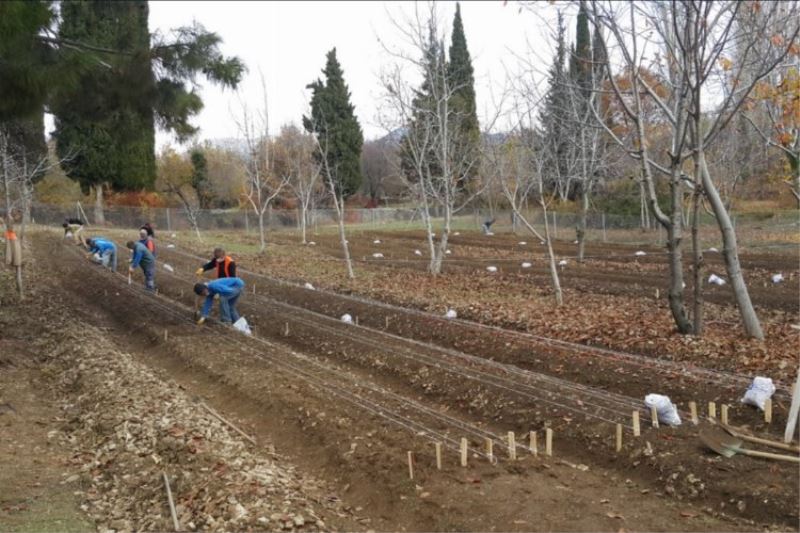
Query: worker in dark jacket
{"x": 225, "y": 266}
{"x": 142, "y": 257}
{"x": 147, "y": 240}
{"x": 103, "y": 251}
{"x": 228, "y": 290}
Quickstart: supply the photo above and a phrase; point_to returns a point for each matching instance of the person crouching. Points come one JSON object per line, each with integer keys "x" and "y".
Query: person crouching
{"x": 142, "y": 257}
{"x": 228, "y": 290}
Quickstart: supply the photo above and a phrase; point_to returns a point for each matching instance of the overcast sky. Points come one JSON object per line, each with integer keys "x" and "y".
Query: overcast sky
{"x": 287, "y": 42}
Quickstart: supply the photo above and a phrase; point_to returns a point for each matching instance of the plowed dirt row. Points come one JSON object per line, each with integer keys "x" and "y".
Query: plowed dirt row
{"x": 609, "y": 268}
{"x": 670, "y": 462}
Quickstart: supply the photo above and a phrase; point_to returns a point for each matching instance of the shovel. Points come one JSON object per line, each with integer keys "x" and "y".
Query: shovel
{"x": 766, "y": 442}
{"x": 727, "y": 445}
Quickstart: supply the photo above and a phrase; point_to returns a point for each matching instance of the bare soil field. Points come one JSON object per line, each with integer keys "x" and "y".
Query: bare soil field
{"x": 343, "y": 405}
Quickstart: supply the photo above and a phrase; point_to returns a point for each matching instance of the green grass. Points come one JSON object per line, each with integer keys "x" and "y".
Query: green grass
{"x": 57, "y": 512}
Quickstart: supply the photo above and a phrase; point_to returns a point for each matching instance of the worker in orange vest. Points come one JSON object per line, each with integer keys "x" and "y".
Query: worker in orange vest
{"x": 225, "y": 266}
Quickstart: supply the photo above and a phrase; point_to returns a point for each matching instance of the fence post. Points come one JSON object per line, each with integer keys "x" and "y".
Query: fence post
{"x": 169, "y": 223}
{"x": 555, "y": 226}
{"x": 605, "y": 238}
{"x": 246, "y": 222}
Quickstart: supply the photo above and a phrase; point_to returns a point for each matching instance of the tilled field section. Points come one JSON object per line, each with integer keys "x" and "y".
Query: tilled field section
{"x": 608, "y": 268}
{"x": 350, "y": 402}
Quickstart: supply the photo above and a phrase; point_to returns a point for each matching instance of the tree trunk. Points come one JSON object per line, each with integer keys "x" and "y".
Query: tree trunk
{"x": 99, "y": 215}
{"x": 345, "y": 247}
{"x": 261, "y": 235}
{"x": 674, "y": 237}
{"x": 303, "y": 211}
{"x": 580, "y": 231}
{"x": 697, "y": 263}
{"x": 730, "y": 253}
{"x": 553, "y": 268}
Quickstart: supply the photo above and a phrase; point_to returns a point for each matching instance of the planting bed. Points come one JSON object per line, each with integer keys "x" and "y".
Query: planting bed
{"x": 347, "y": 402}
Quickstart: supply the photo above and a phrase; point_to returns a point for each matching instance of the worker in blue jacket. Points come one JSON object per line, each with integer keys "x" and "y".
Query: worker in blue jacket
{"x": 228, "y": 290}
{"x": 144, "y": 258}
{"x": 103, "y": 251}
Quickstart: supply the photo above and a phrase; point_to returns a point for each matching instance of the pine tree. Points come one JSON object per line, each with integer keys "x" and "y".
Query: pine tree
{"x": 334, "y": 121}
{"x": 581, "y": 57}
{"x": 200, "y": 177}
{"x": 460, "y": 75}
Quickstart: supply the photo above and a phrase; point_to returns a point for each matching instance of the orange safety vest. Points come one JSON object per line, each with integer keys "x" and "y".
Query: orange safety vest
{"x": 223, "y": 267}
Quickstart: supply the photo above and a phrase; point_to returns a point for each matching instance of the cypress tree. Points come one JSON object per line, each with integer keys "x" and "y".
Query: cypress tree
{"x": 334, "y": 121}
{"x": 581, "y": 57}
{"x": 463, "y": 110}
{"x": 200, "y": 177}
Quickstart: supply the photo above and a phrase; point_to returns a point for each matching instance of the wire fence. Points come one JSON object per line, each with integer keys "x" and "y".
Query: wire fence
{"x": 773, "y": 229}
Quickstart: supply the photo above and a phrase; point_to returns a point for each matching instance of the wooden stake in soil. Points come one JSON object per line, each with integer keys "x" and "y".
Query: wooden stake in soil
{"x": 166, "y": 335}
{"x": 386, "y": 322}
{"x": 548, "y": 442}
{"x": 438, "y": 447}
{"x": 534, "y": 446}
{"x": 172, "y": 511}
{"x": 512, "y": 446}
{"x": 356, "y": 320}
{"x": 637, "y": 429}
{"x": 464, "y": 451}
{"x": 768, "y": 411}
{"x": 654, "y": 416}
{"x": 619, "y": 438}
{"x": 712, "y": 410}
{"x": 693, "y": 411}
{"x": 286, "y": 329}
{"x": 254, "y": 288}
{"x": 410, "y": 465}
{"x": 490, "y": 449}
{"x": 228, "y": 423}
{"x": 724, "y": 413}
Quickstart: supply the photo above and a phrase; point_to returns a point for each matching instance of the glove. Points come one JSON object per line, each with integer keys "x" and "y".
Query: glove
{"x": 130, "y": 270}
{"x": 199, "y": 272}
{"x": 201, "y": 321}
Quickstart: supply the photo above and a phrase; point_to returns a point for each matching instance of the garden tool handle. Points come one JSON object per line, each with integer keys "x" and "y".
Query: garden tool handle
{"x": 767, "y": 455}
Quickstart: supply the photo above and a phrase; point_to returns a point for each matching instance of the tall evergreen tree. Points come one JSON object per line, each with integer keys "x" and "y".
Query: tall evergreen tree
{"x": 200, "y": 177}
{"x": 334, "y": 121}
{"x": 462, "y": 105}
{"x": 581, "y": 57}
{"x": 109, "y": 120}
{"x": 554, "y": 116}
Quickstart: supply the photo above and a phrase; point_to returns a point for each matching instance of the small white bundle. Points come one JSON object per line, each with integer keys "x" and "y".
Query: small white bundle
{"x": 489, "y": 233}
{"x": 347, "y": 319}
{"x": 576, "y": 242}
{"x": 377, "y": 255}
{"x": 168, "y": 268}
{"x": 714, "y": 250}
{"x": 777, "y": 278}
{"x": 456, "y": 234}
{"x": 640, "y": 253}
{"x": 665, "y": 409}
{"x": 542, "y": 243}
{"x": 376, "y": 241}
{"x": 243, "y": 326}
{"x": 448, "y": 252}
{"x": 308, "y": 286}
{"x": 173, "y": 235}
{"x": 491, "y": 268}
{"x": 716, "y": 280}
{"x": 312, "y": 243}
{"x": 451, "y": 313}
{"x": 526, "y": 265}
{"x": 522, "y": 243}
{"x": 759, "y": 392}
{"x": 417, "y": 252}
{"x": 170, "y": 246}
{"x": 562, "y": 263}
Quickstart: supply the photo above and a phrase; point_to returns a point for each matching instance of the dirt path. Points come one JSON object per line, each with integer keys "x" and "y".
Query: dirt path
{"x": 302, "y": 400}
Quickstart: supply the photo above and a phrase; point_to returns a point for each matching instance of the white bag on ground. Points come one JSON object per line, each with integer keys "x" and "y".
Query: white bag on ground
{"x": 716, "y": 280}
{"x": 667, "y": 413}
{"x": 759, "y": 392}
{"x": 347, "y": 319}
{"x": 777, "y": 278}
{"x": 451, "y": 313}
{"x": 242, "y": 326}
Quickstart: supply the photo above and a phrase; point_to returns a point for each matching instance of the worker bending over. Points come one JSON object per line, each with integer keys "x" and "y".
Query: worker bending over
{"x": 103, "y": 251}
{"x": 228, "y": 290}
{"x": 73, "y": 228}
{"x": 226, "y": 267}
{"x": 142, "y": 257}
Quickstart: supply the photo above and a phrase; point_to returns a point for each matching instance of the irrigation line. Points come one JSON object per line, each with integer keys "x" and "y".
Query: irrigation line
{"x": 469, "y": 374}
{"x": 372, "y": 406}
{"x": 624, "y": 401}
{"x": 688, "y": 370}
